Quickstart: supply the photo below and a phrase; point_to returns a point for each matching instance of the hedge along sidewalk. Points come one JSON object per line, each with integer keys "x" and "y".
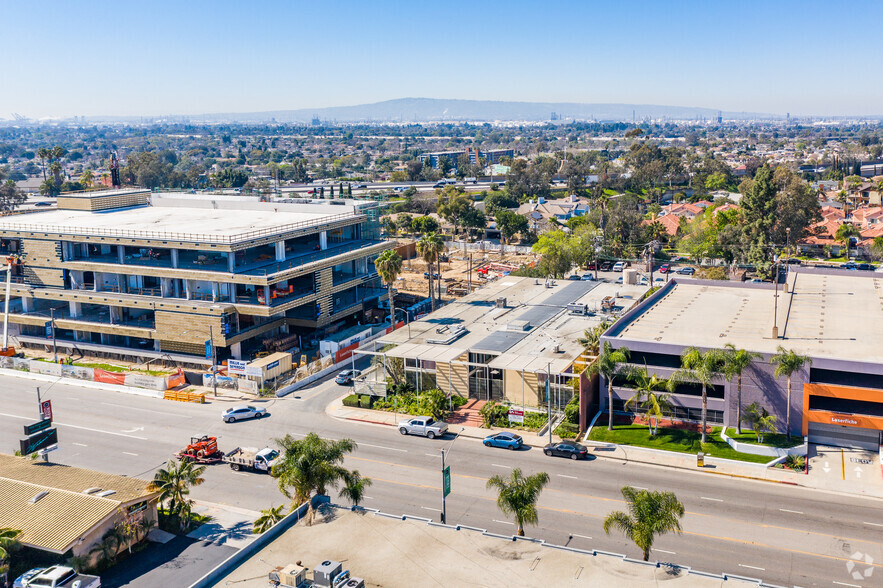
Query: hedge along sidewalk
{"x": 337, "y": 410}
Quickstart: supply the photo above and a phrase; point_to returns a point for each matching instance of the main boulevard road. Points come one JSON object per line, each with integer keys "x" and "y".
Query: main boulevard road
{"x": 783, "y": 534}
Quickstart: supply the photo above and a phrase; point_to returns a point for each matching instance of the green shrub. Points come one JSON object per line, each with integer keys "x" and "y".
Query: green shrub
{"x": 352, "y": 400}
{"x": 567, "y": 430}
{"x": 497, "y": 415}
{"x": 571, "y": 411}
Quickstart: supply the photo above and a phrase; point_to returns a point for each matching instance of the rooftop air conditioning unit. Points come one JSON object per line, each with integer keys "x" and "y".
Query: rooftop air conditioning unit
{"x": 354, "y": 583}
{"x": 501, "y": 303}
{"x": 577, "y": 309}
{"x": 325, "y": 573}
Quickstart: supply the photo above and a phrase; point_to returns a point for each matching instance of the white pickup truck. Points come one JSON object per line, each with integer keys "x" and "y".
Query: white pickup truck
{"x": 62, "y": 577}
{"x": 245, "y": 458}
{"x": 423, "y": 426}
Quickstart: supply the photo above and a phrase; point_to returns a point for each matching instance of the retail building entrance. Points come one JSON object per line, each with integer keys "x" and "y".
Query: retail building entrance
{"x": 844, "y": 436}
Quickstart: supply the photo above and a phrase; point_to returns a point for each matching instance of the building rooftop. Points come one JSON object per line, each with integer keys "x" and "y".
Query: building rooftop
{"x": 66, "y": 512}
{"x": 179, "y": 218}
{"x": 832, "y": 314}
{"x": 389, "y": 551}
{"x": 523, "y": 334}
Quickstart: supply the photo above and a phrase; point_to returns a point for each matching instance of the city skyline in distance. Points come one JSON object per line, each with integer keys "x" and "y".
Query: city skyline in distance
{"x": 192, "y": 59}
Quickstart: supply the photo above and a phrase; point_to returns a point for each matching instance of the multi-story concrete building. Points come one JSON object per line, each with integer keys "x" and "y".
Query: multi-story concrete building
{"x": 832, "y": 316}
{"x": 130, "y": 273}
{"x": 490, "y": 157}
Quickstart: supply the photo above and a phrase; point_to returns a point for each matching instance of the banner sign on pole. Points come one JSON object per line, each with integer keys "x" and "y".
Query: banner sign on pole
{"x": 46, "y": 410}
{"x": 447, "y": 480}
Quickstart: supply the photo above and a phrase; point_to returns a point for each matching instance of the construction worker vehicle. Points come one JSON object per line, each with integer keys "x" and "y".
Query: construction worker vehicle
{"x": 202, "y": 450}
{"x": 245, "y": 458}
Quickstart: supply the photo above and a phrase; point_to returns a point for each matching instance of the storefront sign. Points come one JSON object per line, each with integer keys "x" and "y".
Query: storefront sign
{"x": 516, "y": 415}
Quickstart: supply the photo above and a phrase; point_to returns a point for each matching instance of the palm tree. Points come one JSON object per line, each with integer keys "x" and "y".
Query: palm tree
{"x": 8, "y": 540}
{"x": 845, "y": 233}
{"x": 518, "y": 496}
{"x": 649, "y": 514}
{"x": 657, "y": 406}
{"x": 173, "y": 483}
{"x": 309, "y": 465}
{"x": 787, "y": 362}
{"x": 610, "y": 364}
{"x": 354, "y": 486}
{"x": 430, "y": 247}
{"x": 736, "y": 362}
{"x": 389, "y": 266}
{"x": 761, "y": 421}
{"x": 43, "y": 154}
{"x": 268, "y": 518}
{"x": 591, "y": 339}
{"x": 701, "y": 368}
{"x": 86, "y": 178}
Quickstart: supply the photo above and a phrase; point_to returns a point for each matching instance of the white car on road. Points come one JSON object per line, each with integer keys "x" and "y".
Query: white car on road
{"x": 241, "y": 413}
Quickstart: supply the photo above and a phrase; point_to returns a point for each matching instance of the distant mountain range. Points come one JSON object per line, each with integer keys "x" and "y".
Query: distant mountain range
{"x": 433, "y": 109}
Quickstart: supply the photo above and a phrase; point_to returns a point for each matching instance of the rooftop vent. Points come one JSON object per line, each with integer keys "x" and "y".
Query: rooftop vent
{"x": 501, "y": 303}
{"x": 106, "y": 493}
{"x": 38, "y": 496}
{"x": 447, "y": 335}
{"x": 92, "y": 490}
{"x": 518, "y": 326}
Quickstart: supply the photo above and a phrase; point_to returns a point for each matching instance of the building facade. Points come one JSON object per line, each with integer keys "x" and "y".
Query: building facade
{"x": 490, "y": 157}
{"x": 145, "y": 275}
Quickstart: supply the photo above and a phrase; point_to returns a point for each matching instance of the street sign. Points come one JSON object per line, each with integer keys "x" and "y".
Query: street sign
{"x": 516, "y": 415}
{"x": 236, "y": 366}
{"x": 38, "y": 441}
{"x": 446, "y": 478}
{"x": 46, "y": 410}
{"x": 40, "y": 425}
{"x": 208, "y": 348}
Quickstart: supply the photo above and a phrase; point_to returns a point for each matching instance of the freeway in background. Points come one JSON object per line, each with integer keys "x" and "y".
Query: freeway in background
{"x": 783, "y": 534}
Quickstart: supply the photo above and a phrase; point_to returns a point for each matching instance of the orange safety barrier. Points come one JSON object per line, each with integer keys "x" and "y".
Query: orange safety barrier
{"x": 184, "y": 396}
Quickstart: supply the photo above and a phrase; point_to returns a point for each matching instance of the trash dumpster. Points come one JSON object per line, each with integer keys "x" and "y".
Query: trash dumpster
{"x": 700, "y": 460}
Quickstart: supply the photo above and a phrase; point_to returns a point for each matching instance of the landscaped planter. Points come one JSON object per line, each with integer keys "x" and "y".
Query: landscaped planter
{"x": 766, "y": 450}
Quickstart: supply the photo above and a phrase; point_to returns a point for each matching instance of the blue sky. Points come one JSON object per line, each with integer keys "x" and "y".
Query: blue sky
{"x": 189, "y": 57}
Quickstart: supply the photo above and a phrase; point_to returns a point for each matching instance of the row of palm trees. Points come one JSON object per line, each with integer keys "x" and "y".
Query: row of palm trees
{"x": 699, "y": 367}
{"x": 430, "y": 247}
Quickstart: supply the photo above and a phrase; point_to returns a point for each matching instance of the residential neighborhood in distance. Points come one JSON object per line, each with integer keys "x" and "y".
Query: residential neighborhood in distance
{"x": 344, "y": 295}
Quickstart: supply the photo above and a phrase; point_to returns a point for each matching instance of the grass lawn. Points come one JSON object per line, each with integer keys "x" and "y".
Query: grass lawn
{"x": 109, "y": 367}
{"x": 679, "y": 440}
{"x": 778, "y": 440}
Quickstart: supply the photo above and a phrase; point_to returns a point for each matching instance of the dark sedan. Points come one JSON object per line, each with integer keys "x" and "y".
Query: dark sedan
{"x": 565, "y": 449}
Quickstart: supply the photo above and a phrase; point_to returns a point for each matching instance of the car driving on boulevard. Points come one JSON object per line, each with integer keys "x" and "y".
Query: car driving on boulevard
{"x": 346, "y": 377}
{"x": 565, "y": 449}
{"x": 241, "y": 413}
{"x": 504, "y": 440}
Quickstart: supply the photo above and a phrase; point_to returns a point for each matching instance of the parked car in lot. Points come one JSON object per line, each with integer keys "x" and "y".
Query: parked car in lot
{"x": 664, "y": 268}
{"x": 588, "y": 278}
{"x": 619, "y": 266}
{"x": 43, "y": 203}
{"x": 605, "y": 267}
{"x": 423, "y": 426}
{"x": 566, "y": 449}
{"x": 686, "y": 271}
{"x": 62, "y": 577}
{"x": 591, "y": 266}
{"x": 574, "y": 278}
{"x": 504, "y": 440}
{"x": 850, "y": 265}
{"x": 346, "y": 377}
{"x": 241, "y": 413}
{"x": 866, "y": 267}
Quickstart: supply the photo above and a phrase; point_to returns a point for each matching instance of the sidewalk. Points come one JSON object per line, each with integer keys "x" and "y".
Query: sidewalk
{"x": 378, "y": 417}
{"x": 817, "y": 478}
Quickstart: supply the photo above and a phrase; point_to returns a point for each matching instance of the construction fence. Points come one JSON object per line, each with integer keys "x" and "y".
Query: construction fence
{"x": 88, "y": 374}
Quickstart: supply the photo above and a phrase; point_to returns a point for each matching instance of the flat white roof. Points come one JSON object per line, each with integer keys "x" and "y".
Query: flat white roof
{"x": 835, "y": 315}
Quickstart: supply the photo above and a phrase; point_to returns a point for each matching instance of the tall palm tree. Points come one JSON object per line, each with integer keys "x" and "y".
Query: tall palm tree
{"x": 787, "y": 362}
{"x": 43, "y": 154}
{"x": 609, "y": 364}
{"x": 430, "y": 247}
{"x": 8, "y": 539}
{"x": 591, "y": 339}
{"x": 518, "y": 495}
{"x": 173, "y": 483}
{"x": 309, "y": 465}
{"x": 736, "y": 362}
{"x": 389, "y": 266}
{"x": 845, "y": 233}
{"x": 87, "y": 178}
{"x": 649, "y": 514}
{"x": 268, "y": 518}
{"x": 701, "y": 368}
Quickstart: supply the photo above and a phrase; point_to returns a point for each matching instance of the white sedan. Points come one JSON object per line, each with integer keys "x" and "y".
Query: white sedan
{"x": 241, "y": 413}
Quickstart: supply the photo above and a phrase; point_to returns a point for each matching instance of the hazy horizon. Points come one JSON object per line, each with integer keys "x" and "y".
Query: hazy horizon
{"x": 188, "y": 59}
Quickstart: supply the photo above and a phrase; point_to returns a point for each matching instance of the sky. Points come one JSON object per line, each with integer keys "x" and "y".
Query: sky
{"x": 158, "y": 57}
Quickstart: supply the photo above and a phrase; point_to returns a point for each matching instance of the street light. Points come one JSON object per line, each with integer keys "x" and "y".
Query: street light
{"x": 407, "y": 320}
{"x": 446, "y": 478}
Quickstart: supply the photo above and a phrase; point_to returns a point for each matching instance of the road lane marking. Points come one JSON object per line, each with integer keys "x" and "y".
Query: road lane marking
{"x": 845, "y": 584}
{"x": 432, "y": 509}
{"x": 504, "y": 522}
{"x": 80, "y": 444}
{"x": 664, "y": 551}
{"x": 566, "y": 476}
{"x": 713, "y": 499}
{"x": 581, "y": 536}
{"x": 752, "y": 567}
{"x": 368, "y": 497}
{"x": 792, "y": 511}
{"x": 165, "y": 414}
{"x": 15, "y": 416}
{"x": 132, "y": 454}
{"x": 642, "y": 488}
{"x": 431, "y": 454}
{"x": 382, "y": 447}
{"x": 875, "y": 524}
{"x": 496, "y": 465}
